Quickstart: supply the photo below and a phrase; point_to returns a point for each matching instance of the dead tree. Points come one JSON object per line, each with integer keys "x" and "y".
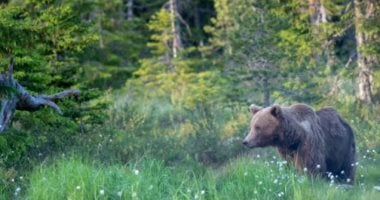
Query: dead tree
{"x": 18, "y": 98}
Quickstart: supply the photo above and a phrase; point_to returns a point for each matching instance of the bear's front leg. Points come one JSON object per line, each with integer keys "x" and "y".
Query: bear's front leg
{"x": 312, "y": 164}
{"x": 286, "y": 154}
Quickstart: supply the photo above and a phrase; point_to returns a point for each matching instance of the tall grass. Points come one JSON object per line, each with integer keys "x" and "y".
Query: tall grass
{"x": 74, "y": 178}
{"x": 77, "y": 179}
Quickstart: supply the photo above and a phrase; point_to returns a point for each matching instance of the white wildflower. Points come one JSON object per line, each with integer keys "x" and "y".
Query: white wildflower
{"x": 136, "y": 172}
{"x": 101, "y": 192}
{"x": 134, "y": 194}
{"x": 202, "y": 192}
{"x": 305, "y": 169}
{"x": 245, "y": 173}
{"x": 78, "y": 187}
{"x": 195, "y": 196}
{"x": 119, "y": 194}
{"x": 348, "y": 180}
{"x": 300, "y": 180}
{"x": 260, "y": 182}
{"x": 342, "y": 172}
{"x": 318, "y": 166}
{"x": 275, "y": 181}
{"x": 280, "y": 194}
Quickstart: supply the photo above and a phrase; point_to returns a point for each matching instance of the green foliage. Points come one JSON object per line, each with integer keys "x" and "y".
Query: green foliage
{"x": 159, "y": 129}
{"x": 161, "y": 25}
{"x": 265, "y": 49}
{"x": 176, "y": 80}
{"x": 120, "y": 44}
{"x": 6, "y": 91}
{"x": 46, "y": 39}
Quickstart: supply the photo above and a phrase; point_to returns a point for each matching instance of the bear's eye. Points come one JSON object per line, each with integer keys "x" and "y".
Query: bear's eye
{"x": 257, "y": 127}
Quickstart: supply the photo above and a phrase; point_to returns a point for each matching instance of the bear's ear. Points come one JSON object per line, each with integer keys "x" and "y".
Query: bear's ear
{"x": 254, "y": 109}
{"x": 276, "y": 111}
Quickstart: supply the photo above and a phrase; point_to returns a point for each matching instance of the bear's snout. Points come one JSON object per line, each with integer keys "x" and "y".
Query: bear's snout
{"x": 248, "y": 142}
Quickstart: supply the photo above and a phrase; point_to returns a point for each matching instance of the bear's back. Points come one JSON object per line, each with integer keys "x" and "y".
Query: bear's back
{"x": 300, "y": 112}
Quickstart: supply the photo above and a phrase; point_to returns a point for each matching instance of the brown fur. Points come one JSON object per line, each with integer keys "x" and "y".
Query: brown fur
{"x": 321, "y": 142}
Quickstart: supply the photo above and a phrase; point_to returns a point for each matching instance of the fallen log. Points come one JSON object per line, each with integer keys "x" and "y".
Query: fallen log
{"x": 18, "y": 98}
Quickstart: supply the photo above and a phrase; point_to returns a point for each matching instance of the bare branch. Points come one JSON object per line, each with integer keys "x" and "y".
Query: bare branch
{"x": 63, "y": 94}
{"x": 21, "y": 99}
{"x": 35, "y": 102}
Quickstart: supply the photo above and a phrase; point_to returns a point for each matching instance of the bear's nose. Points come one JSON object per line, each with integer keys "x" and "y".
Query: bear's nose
{"x": 245, "y": 142}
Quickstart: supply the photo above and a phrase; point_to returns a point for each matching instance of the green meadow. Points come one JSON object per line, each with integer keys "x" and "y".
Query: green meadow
{"x": 71, "y": 177}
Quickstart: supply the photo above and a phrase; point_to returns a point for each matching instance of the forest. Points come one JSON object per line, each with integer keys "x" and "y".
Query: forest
{"x": 149, "y": 99}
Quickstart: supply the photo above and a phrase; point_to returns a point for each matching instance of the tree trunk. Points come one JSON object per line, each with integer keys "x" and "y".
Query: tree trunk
{"x": 176, "y": 43}
{"x": 318, "y": 16}
{"x": 100, "y": 30}
{"x": 318, "y": 13}
{"x": 197, "y": 23}
{"x": 17, "y": 98}
{"x": 130, "y": 14}
{"x": 266, "y": 91}
{"x": 364, "y": 10}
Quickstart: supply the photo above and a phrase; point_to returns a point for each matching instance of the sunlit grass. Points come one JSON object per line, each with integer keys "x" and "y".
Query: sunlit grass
{"x": 77, "y": 179}
{"x": 245, "y": 178}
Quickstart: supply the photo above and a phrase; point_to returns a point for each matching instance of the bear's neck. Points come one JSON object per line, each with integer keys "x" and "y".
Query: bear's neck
{"x": 292, "y": 135}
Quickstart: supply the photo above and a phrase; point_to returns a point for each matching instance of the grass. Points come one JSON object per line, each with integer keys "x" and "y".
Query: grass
{"x": 244, "y": 178}
{"x": 77, "y": 179}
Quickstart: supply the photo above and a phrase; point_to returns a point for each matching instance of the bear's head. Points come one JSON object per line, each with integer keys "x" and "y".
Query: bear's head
{"x": 265, "y": 126}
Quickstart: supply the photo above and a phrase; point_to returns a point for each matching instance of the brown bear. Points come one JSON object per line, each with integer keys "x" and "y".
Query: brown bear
{"x": 321, "y": 143}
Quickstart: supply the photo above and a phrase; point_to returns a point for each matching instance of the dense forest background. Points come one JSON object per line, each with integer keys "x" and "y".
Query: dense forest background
{"x": 173, "y": 79}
